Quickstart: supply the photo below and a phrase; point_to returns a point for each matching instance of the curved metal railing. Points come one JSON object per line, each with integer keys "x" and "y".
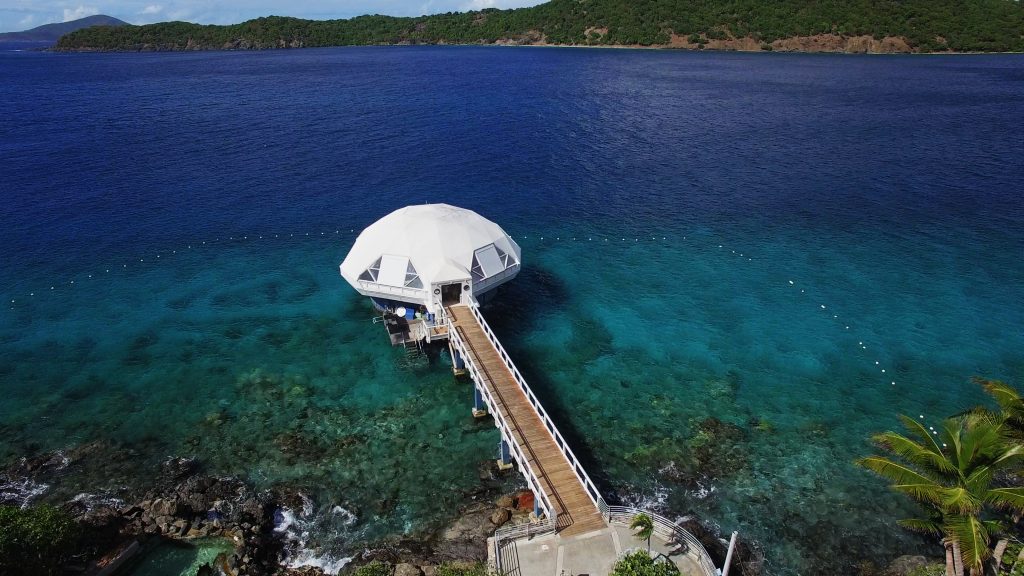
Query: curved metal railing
{"x": 669, "y": 530}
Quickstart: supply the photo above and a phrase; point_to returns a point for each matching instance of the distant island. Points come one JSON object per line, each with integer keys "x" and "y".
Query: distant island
{"x": 855, "y": 26}
{"x": 53, "y": 32}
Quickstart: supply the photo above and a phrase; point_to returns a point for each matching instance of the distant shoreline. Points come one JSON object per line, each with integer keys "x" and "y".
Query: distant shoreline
{"x": 54, "y": 48}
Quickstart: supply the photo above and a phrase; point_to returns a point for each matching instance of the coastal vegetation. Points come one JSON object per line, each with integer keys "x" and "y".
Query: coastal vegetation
{"x": 643, "y": 528}
{"x": 640, "y": 563}
{"x": 911, "y": 25}
{"x": 35, "y": 540}
{"x": 965, "y": 475}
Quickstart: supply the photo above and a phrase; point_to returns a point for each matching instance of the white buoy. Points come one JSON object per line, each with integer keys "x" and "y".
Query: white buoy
{"x": 822, "y": 306}
{"x": 790, "y": 282}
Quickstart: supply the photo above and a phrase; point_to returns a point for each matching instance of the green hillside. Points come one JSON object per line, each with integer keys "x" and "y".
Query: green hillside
{"x": 925, "y": 25}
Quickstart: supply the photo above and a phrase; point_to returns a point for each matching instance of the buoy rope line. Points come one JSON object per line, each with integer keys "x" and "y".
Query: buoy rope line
{"x": 198, "y": 245}
{"x": 351, "y": 232}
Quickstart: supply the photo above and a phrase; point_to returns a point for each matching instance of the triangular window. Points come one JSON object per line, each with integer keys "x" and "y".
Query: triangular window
{"x": 412, "y": 278}
{"x": 371, "y": 273}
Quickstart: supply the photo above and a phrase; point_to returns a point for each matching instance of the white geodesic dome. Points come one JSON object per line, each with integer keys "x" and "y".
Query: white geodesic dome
{"x": 421, "y": 248}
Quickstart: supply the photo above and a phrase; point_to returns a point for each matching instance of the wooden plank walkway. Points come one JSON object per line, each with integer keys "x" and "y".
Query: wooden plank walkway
{"x": 576, "y": 512}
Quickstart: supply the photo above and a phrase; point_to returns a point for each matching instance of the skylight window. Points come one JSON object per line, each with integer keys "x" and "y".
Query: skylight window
{"x": 490, "y": 260}
{"x": 371, "y": 273}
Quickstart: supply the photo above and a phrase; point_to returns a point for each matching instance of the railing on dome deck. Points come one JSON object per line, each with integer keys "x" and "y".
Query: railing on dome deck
{"x": 486, "y": 283}
{"x": 668, "y": 530}
{"x": 415, "y": 294}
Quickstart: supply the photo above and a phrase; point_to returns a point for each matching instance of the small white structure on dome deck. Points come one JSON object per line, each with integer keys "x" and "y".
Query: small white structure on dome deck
{"x": 419, "y": 259}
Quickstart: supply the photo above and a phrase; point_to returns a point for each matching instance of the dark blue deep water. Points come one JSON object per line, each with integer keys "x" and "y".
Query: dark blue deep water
{"x": 753, "y": 238}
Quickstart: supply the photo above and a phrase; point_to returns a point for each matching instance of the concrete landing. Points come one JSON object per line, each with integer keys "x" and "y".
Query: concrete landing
{"x": 590, "y": 554}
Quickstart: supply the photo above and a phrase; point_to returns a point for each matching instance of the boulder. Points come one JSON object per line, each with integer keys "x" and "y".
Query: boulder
{"x": 524, "y": 500}
{"x": 474, "y": 524}
{"x": 163, "y": 507}
{"x": 500, "y": 516}
{"x": 906, "y": 565}
{"x": 506, "y": 501}
{"x": 164, "y": 522}
{"x": 406, "y": 569}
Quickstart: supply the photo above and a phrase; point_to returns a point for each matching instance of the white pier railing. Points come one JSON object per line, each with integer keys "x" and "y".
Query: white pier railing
{"x": 483, "y": 383}
{"x": 563, "y": 446}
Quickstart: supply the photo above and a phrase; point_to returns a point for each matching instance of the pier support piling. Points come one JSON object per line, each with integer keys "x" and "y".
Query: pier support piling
{"x": 479, "y": 407}
{"x": 458, "y": 364}
{"x": 505, "y": 456}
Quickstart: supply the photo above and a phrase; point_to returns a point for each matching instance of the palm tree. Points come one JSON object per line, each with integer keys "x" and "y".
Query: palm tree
{"x": 950, "y": 472}
{"x": 643, "y": 527}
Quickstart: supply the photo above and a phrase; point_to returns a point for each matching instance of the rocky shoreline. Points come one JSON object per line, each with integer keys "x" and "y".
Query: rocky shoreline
{"x": 816, "y": 44}
{"x": 184, "y": 505}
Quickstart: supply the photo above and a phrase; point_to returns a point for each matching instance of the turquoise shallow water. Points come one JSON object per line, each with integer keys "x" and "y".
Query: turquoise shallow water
{"x": 698, "y": 232}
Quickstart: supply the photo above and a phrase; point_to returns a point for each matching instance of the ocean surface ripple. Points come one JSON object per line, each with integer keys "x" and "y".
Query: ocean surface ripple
{"x": 736, "y": 268}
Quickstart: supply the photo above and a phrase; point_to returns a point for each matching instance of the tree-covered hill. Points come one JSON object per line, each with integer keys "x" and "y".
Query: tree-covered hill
{"x": 834, "y": 25}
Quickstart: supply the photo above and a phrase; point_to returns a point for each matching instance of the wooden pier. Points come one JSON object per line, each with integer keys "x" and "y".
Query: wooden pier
{"x": 568, "y": 494}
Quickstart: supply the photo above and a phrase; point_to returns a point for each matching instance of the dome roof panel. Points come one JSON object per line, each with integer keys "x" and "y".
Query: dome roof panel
{"x": 438, "y": 239}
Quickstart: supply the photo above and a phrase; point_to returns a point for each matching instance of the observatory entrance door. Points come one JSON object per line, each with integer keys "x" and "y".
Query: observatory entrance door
{"x": 451, "y": 294}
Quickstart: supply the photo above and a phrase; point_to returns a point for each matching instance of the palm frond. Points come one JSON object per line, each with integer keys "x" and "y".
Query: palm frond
{"x": 925, "y": 493}
{"x": 896, "y": 472}
{"x": 1005, "y": 395}
{"x": 1012, "y": 498}
{"x": 915, "y": 453}
{"x": 921, "y": 525}
{"x": 918, "y": 429}
{"x": 973, "y": 537}
{"x": 959, "y": 500}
